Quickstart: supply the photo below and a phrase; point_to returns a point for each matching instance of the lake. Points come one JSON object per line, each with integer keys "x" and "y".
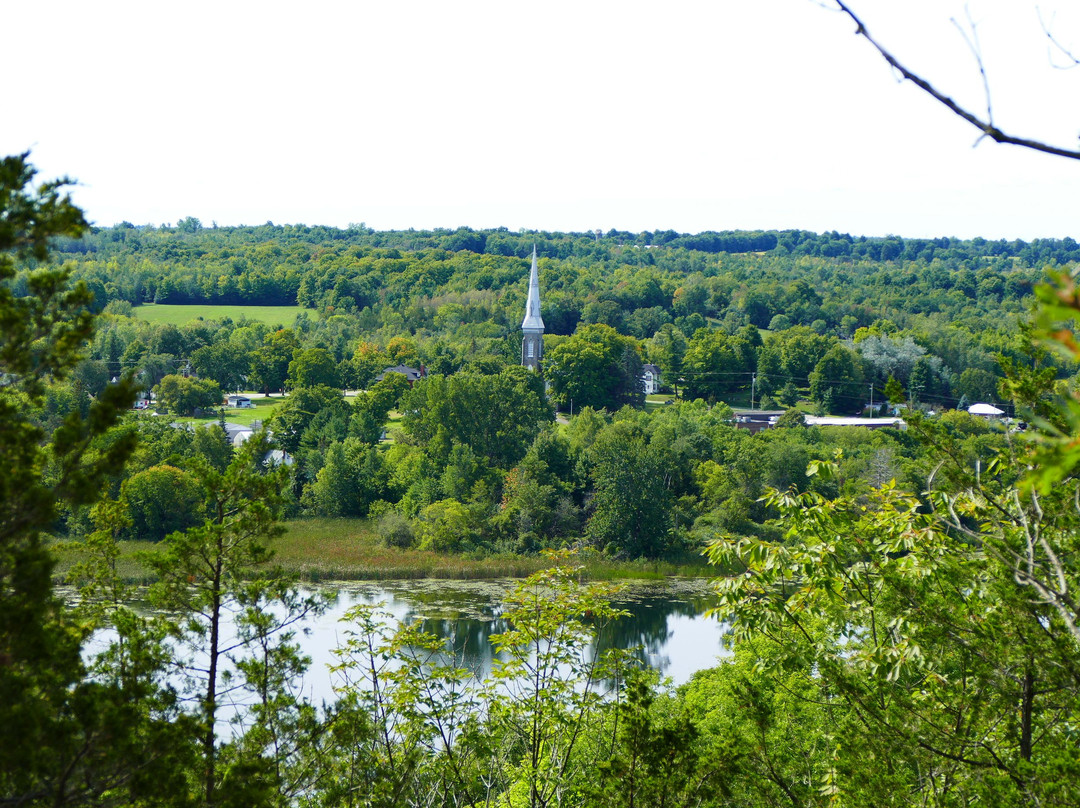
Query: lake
{"x": 667, "y": 622}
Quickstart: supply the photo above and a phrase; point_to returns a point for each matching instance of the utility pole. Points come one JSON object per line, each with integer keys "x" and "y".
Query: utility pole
{"x": 753, "y": 384}
{"x": 871, "y": 399}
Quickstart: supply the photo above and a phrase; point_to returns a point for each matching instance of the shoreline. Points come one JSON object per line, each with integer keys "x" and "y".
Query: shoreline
{"x": 318, "y": 550}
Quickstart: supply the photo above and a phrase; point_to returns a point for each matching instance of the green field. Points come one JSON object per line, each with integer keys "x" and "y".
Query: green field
{"x": 321, "y": 549}
{"x": 263, "y": 409}
{"x": 162, "y": 313}
{"x": 658, "y": 401}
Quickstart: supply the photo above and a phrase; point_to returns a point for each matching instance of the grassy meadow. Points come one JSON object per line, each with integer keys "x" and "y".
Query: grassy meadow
{"x": 179, "y": 315}
{"x": 322, "y": 549}
{"x": 656, "y": 401}
{"x": 263, "y": 409}
{"x": 349, "y": 549}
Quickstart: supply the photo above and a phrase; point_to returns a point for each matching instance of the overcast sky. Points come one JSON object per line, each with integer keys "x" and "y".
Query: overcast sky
{"x": 695, "y": 115}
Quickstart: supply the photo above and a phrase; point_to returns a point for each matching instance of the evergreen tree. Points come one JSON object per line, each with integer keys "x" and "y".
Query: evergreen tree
{"x": 894, "y": 391}
{"x": 203, "y": 583}
{"x": 65, "y": 738}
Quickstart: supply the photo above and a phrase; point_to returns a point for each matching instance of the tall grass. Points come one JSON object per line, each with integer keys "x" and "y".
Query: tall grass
{"x": 349, "y": 549}
{"x": 321, "y": 549}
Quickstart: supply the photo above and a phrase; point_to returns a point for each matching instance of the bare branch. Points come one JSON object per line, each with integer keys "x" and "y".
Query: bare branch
{"x": 971, "y": 37}
{"x": 986, "y": 127}
{"x": 1055, "y": 45}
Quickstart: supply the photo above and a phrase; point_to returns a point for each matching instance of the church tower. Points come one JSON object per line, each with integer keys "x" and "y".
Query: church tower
{"x": 532, "y": 342}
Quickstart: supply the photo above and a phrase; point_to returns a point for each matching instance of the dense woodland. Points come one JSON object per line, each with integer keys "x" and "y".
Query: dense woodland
{"x": 782, "y": 319}
{"x": 906, "y": 625}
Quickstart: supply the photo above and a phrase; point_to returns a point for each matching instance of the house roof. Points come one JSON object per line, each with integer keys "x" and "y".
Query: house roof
{"x": 985, "y": 409}
{"x": 758, "y": 415}
{"x": 278, "y": 457}
{"x": 871, "y": 423}
{"x": 412, "y": 374}
{"x": 232, "y": 430}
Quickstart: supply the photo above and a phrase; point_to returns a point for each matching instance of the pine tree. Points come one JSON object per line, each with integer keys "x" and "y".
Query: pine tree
{"x": 65, "y": 738}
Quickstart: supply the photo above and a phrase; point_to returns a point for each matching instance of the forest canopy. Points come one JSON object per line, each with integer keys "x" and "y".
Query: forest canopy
{"x": 905, "y": 619}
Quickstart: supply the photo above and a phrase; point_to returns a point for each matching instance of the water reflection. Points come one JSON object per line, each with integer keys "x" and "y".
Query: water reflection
{"x": 668, "y": 628}
{"x": 666, "y": 624}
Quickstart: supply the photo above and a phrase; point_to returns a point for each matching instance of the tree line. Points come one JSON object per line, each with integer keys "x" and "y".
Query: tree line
{"x": 268, "y": 264}
{"x": 906, "y": 625}
{"x": 478, "y": 463}
{"x": 463, "y": 472}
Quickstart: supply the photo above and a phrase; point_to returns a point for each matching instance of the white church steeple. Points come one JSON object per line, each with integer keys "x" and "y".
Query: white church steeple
{"x": 532, "y": 342}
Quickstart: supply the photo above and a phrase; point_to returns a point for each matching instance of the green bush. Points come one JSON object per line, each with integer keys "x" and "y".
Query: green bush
{"x": 161, "y": 500}
{"x": 396, "y": 530}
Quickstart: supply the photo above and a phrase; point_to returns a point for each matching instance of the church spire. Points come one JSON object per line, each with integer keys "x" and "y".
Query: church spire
{"x": 532, "y": 307}
{"x": 532, "y": 343}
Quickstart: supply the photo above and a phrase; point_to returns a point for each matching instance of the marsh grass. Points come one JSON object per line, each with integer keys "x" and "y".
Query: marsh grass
{"x": 322, "y": 549}
{"x": 349, "y": 549}
{"x": 129, "y": 568}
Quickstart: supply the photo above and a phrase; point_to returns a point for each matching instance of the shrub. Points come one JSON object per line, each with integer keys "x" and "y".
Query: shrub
{"x": 396, "y": 530}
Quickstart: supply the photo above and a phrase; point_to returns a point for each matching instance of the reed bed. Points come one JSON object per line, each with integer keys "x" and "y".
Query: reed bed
{"x": 321, "y": 549}
{"x": 349, "y": 549}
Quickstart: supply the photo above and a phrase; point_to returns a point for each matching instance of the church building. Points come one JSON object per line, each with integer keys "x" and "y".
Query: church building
{"x": 532, "y": 327}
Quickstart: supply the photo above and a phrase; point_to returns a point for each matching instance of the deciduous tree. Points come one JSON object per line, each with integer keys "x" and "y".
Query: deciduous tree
{"x": 311, "y": 367}
{"x": 631, "y": 502}
{"x": 596, "y": 367}
{"x": 497, "y": 416}
{"x": 270, "y": 361}
{"x": 837, "y": 380}
{"x": 182, "y": 396}
{"x": 161, "y": 500}
{"x": 915, "y": 621}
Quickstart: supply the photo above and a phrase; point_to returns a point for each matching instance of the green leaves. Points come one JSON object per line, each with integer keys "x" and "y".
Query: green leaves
{"x": 64, "y": 738}
{"x": 631, "y": 500}
{"x": 913, "y": 622}
{"x": 415, "y": 722}
{"x": 30, "y": 220}
{"x": 1055, "y": 412}
{"x": 497, "y": 416}
{"x": 596, "y": 367}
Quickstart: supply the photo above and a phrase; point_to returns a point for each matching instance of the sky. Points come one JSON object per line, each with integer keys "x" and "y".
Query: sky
{"x": 687, "y": 115}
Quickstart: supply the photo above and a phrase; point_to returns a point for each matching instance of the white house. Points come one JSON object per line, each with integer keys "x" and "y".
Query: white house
{"x": 650, "y": 376}
{"x": 237, "y": 400}
{"x": 278, "y": 457}
{"x": 237, "y": 433}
